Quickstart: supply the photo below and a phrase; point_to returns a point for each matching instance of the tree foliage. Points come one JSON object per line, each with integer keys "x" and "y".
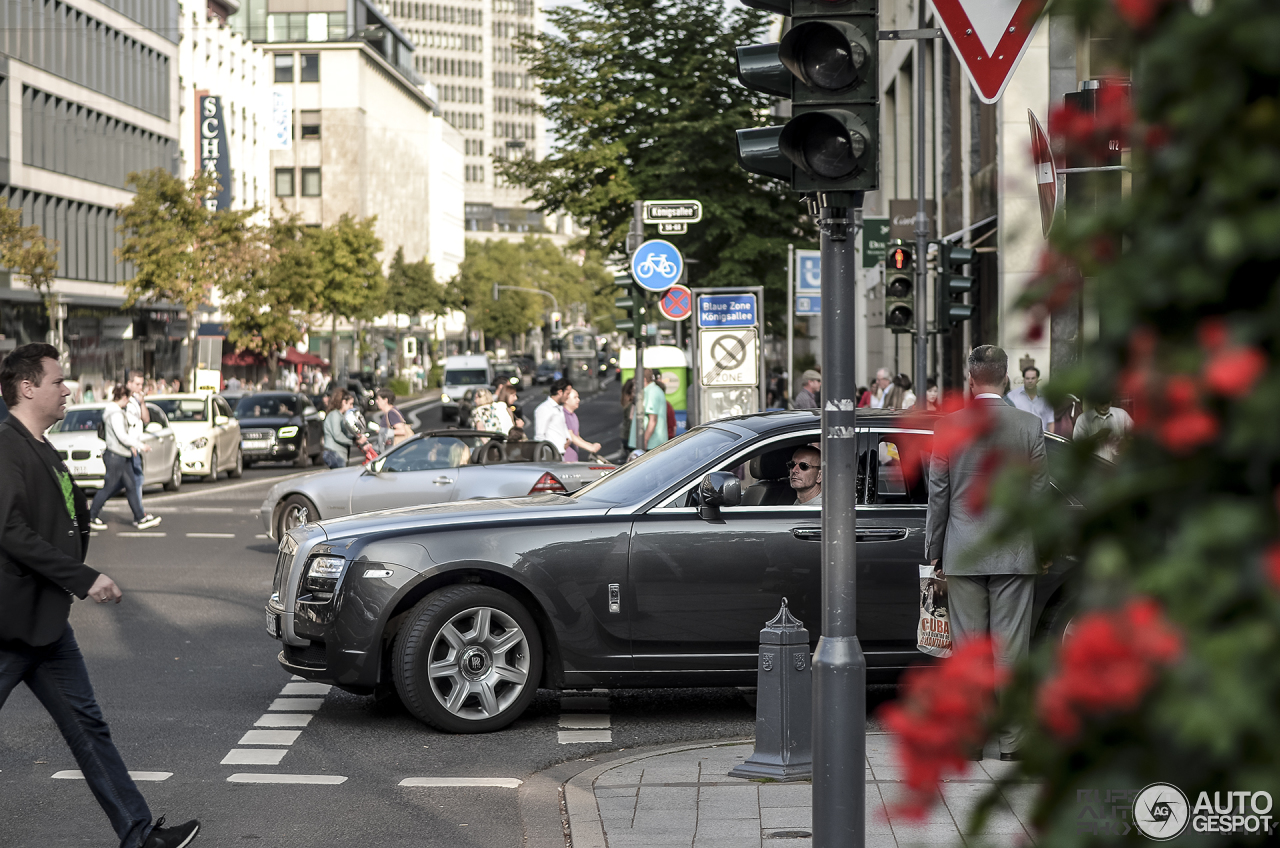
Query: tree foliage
{"x": 1171, "y": 672}
{"x": 643, "y": 100}
{"x": 574, "y": 276}
{"x": 179, "y": 249}
{"x": 271, "y": 306}
{"x": 28, "y": 252}
{"x": 352, "y": 284}
{"x": 412, "y": 288}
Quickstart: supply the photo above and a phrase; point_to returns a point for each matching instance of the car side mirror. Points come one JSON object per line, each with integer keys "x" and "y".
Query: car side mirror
{"x": 719, "y": 488}
{"x": 220, "y": 420}
{"x": 154, "y": 427}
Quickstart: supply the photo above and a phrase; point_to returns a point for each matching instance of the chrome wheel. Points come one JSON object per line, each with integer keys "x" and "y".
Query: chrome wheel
{"x": 296, "y": 511}
{"x": 479, "y": 663}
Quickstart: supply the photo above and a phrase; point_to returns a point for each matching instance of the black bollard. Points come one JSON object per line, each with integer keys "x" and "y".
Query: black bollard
{"x": 784, "y": 703}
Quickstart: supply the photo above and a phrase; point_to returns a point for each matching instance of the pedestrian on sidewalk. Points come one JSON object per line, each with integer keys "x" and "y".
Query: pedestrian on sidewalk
{"x": 507, "y": 395}
{"x": 548, "y": 419}
{"x": 1108, "y": 425}
{"x": 875, "y": 398}
{"x": 123, "y": 447}
{"x": 990, "y": 589}
{"x": 491, "y": 414}
{"x": 392, "y": 428}
{"x": 44, "y": 534}
{"x": 571, "y": 404}
{"x": 339, "y": 436}
{"x": 654, "y": 401}
{"x": 900, "y": 395}
{"x": 138, "y": 417}
{"x": 1028, "y": 398}
{"x": 810, "y": 390}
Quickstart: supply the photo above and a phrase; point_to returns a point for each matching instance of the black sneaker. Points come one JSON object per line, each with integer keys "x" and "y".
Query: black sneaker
{"x": 171, "y": 837}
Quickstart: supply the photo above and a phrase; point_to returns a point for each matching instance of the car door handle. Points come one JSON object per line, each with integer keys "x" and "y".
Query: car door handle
{"x": 807, "y": 534}
{"x": 882, "y": 534}
{"x": 442, "y": 481}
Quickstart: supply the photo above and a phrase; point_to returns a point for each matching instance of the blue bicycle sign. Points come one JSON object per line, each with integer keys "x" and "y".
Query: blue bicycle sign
{"x": 657, "y": 265}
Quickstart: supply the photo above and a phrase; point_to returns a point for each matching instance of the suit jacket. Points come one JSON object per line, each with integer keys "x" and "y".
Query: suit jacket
{"x": 954, "y": 528}
{"x": 41, "y": 546}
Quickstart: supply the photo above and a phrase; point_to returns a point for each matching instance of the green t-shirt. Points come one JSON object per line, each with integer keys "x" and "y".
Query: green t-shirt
{"x": 68, "y": 494}
{"x": 655, "y": 403}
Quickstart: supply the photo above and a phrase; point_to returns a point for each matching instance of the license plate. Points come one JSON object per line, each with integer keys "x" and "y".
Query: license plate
{"x": 273, "y": 625}
{"x": 79, "y": 470}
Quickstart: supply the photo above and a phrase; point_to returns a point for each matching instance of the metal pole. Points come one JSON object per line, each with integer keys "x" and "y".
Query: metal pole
{"x": 791, "y": 320}
{"x": 634, "y": 241}
{"x": 922, "y": 230}
{"x": 839, "y": 667}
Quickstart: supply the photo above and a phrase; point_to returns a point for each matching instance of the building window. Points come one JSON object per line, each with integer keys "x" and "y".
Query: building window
{"x": 284, "y": 182}
{"x": 310, "y": 67}
{"x": 310, "y": 182}
{"x": 310, "y": 120}
{"x": 284, "y": 67}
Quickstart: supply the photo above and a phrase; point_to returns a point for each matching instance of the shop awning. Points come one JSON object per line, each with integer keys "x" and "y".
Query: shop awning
{"x": 243, "y": 357}
{"x": 293, "y": 356}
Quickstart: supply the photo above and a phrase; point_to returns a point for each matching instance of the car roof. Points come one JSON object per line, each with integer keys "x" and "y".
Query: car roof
{"x": 181, "y": 396}
{"x": 762, "y": 422}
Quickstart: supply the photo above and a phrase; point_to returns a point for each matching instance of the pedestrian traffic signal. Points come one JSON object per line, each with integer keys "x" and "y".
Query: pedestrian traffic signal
{"x": 827, "y": 65}
{"x": 899, "y": 288}
{"x": 633, "y": 306}
{"x": 952, "y": 285}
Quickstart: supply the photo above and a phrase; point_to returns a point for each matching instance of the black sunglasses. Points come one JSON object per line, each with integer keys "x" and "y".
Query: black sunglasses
{"x": 804, "y": 466}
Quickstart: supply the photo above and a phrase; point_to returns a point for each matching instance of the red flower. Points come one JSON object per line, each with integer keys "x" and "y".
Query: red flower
{"x": 988, "y": 466}
{"x": 955, "y": 433}
{"x": 1271, "y": 564}
{"x": 1233, "y": 371}
{"x": 941, "y": 717}
{"x": 1187, "y": 429}
{"x": 1212, "y": 333}
{"x": 1156, "y": 137}
{"x": 1098, "y": 135}
{"x": 1138, "y": 13}
{"x": 1107, "y": 664}
{"x": 1180, "y": 391}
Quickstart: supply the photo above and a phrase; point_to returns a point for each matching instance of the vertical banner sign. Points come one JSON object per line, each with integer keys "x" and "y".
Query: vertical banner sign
{"x": 214, "y": 157}
{"x": 280, "y": 134}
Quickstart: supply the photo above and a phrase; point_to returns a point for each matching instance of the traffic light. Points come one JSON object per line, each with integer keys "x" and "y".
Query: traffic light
{"x": 899, "y": 288}
{"x": 827, "y": 65}
{"x": 633, "y": 304}
{"x": 952, "y": 285}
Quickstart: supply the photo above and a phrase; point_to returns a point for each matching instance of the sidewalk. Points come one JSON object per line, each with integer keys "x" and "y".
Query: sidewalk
{"x": 684, "y": 798}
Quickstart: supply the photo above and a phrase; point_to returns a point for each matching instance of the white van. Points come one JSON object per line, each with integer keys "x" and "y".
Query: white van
{"x": 462, "y": 373}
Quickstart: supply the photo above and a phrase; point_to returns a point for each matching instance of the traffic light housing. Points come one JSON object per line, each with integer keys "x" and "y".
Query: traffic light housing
{"x": 953, "y": 285}
{"x": 827, "y": 65}
{"x": 632, "y": 303}
{"x": 899, "y": 288}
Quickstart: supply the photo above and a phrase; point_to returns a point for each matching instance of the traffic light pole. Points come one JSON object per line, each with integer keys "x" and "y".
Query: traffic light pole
{"x": 839, "y": 667}
{"x": 635, "y": 238}
{"x": 922, "y": 229}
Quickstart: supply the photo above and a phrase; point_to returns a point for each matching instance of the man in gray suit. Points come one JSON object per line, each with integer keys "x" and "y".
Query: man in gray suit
{"x": 990, "y": 589}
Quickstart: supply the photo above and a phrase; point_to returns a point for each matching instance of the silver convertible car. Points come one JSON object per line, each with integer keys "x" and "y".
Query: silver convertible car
{"x": 434, "y": 467}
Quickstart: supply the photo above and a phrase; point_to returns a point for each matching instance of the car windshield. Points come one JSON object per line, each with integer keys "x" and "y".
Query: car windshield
{"x": 428, "y": 453}
{"x": 183, "y": 409}
{"x": 267, "y": 406}
{"x": 467, "y": 377}
{"x": 78, "y": 420}
{"x": 659, "y": 468}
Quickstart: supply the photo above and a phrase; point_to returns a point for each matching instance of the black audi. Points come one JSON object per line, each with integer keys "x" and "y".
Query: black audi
{"x": 279, "y": 427}
{"x": 658, "y": 574}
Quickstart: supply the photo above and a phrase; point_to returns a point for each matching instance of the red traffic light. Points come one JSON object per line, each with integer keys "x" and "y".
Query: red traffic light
{"x": 899, "y": 258}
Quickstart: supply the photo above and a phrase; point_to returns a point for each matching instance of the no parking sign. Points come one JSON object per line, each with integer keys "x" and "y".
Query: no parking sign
{"x": 676, "y": 304}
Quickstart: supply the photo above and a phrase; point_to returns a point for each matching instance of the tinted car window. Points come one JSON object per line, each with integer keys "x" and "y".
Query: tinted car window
{"x": 267, "y": 406}
{"x": 900, "y": 468}
{"x": 186, "y": 409}
{"x": 426, "y": 454}
{"x": 660, "y": 467}
{"x": 467, "y": 377}
{"x": 78, "y": 420}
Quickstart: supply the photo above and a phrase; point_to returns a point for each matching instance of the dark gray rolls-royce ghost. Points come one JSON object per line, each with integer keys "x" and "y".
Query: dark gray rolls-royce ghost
{"x": 640, "y": 579}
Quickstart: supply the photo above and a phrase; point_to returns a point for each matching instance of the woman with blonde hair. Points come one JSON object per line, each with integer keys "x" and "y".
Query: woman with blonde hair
{"x": 490, "y": 415}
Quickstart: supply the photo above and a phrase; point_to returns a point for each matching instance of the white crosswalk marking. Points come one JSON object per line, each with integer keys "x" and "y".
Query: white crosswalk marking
{"x": 283, "y": 720}
{"x": 593, "y": 721}
{"x": 152, "y": 776}
{"x": 253, "y": 757}
{"x": 296, "y": 704}
{"x": 315, "y": 779}
{"x": 569, "y": 737}
{"x": 306, "y": 689}
{"x": 269, "y": 737}
{"x": 211, "y": 535}
{"x": 494, "y": 782}
{"x": 585, "y": 719}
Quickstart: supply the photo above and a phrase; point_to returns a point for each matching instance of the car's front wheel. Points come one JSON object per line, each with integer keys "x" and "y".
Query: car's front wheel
{"x": 468, "y": 659}
{"x": 212, "y": 476}
{"x": 296, "y": 510}
{"x": 303, "y": 458}
{"x": 175, "y": 476}
{"x": 238, "y": 470}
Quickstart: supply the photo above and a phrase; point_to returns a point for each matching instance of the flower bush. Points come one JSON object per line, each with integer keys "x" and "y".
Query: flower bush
{"x": 1171, "y": 669}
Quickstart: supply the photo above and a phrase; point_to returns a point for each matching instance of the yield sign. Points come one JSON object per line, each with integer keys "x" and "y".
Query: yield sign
{"x": 990, "y": 37}
{"x": 1046, "y": 173}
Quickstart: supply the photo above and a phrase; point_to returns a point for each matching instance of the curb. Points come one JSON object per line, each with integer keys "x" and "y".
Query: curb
{"x": 567, "y": 789}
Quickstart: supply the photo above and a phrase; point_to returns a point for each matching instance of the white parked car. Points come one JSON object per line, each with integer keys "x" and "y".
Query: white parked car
{"x": 75, "y": 438}
{"x": 208, "y": 434}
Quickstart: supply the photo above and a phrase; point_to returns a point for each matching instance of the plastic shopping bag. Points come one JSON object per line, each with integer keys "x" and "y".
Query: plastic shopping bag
{"x": 933, "y": 632}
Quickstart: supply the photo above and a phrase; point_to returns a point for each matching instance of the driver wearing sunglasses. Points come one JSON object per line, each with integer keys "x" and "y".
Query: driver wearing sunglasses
{"x": 805, "y": 468}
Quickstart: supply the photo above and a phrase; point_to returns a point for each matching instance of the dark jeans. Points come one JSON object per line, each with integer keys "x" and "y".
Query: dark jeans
{"x": 119, "y": 473}
{"x": 57, "y": 676}
{"x": 334, "y": 459}
{"x": 137, "y": 471}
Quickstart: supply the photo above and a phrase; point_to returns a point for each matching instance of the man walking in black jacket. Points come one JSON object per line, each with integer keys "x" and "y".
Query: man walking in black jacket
{"x": 44, "y": 533}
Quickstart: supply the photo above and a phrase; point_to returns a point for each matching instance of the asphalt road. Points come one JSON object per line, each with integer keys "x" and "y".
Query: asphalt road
{"x": 184, "y": 669}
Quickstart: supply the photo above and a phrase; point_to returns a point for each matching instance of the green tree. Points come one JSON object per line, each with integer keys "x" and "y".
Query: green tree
{"x": 352, "y": 284}
{"x": 270, "y": 307}
{"x": 181, "y": 251}
{"x": 412, "y": 288}
{"x": 643, "y": 99}
{"x": 26, "y": 251}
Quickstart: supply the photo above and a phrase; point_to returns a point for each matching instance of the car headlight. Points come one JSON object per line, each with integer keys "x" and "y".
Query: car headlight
{"x": 322, "y": 575}
{"x": 444, "y": 398}
{"x": 199, "y": 443}
{"x": 287, "y": 432}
